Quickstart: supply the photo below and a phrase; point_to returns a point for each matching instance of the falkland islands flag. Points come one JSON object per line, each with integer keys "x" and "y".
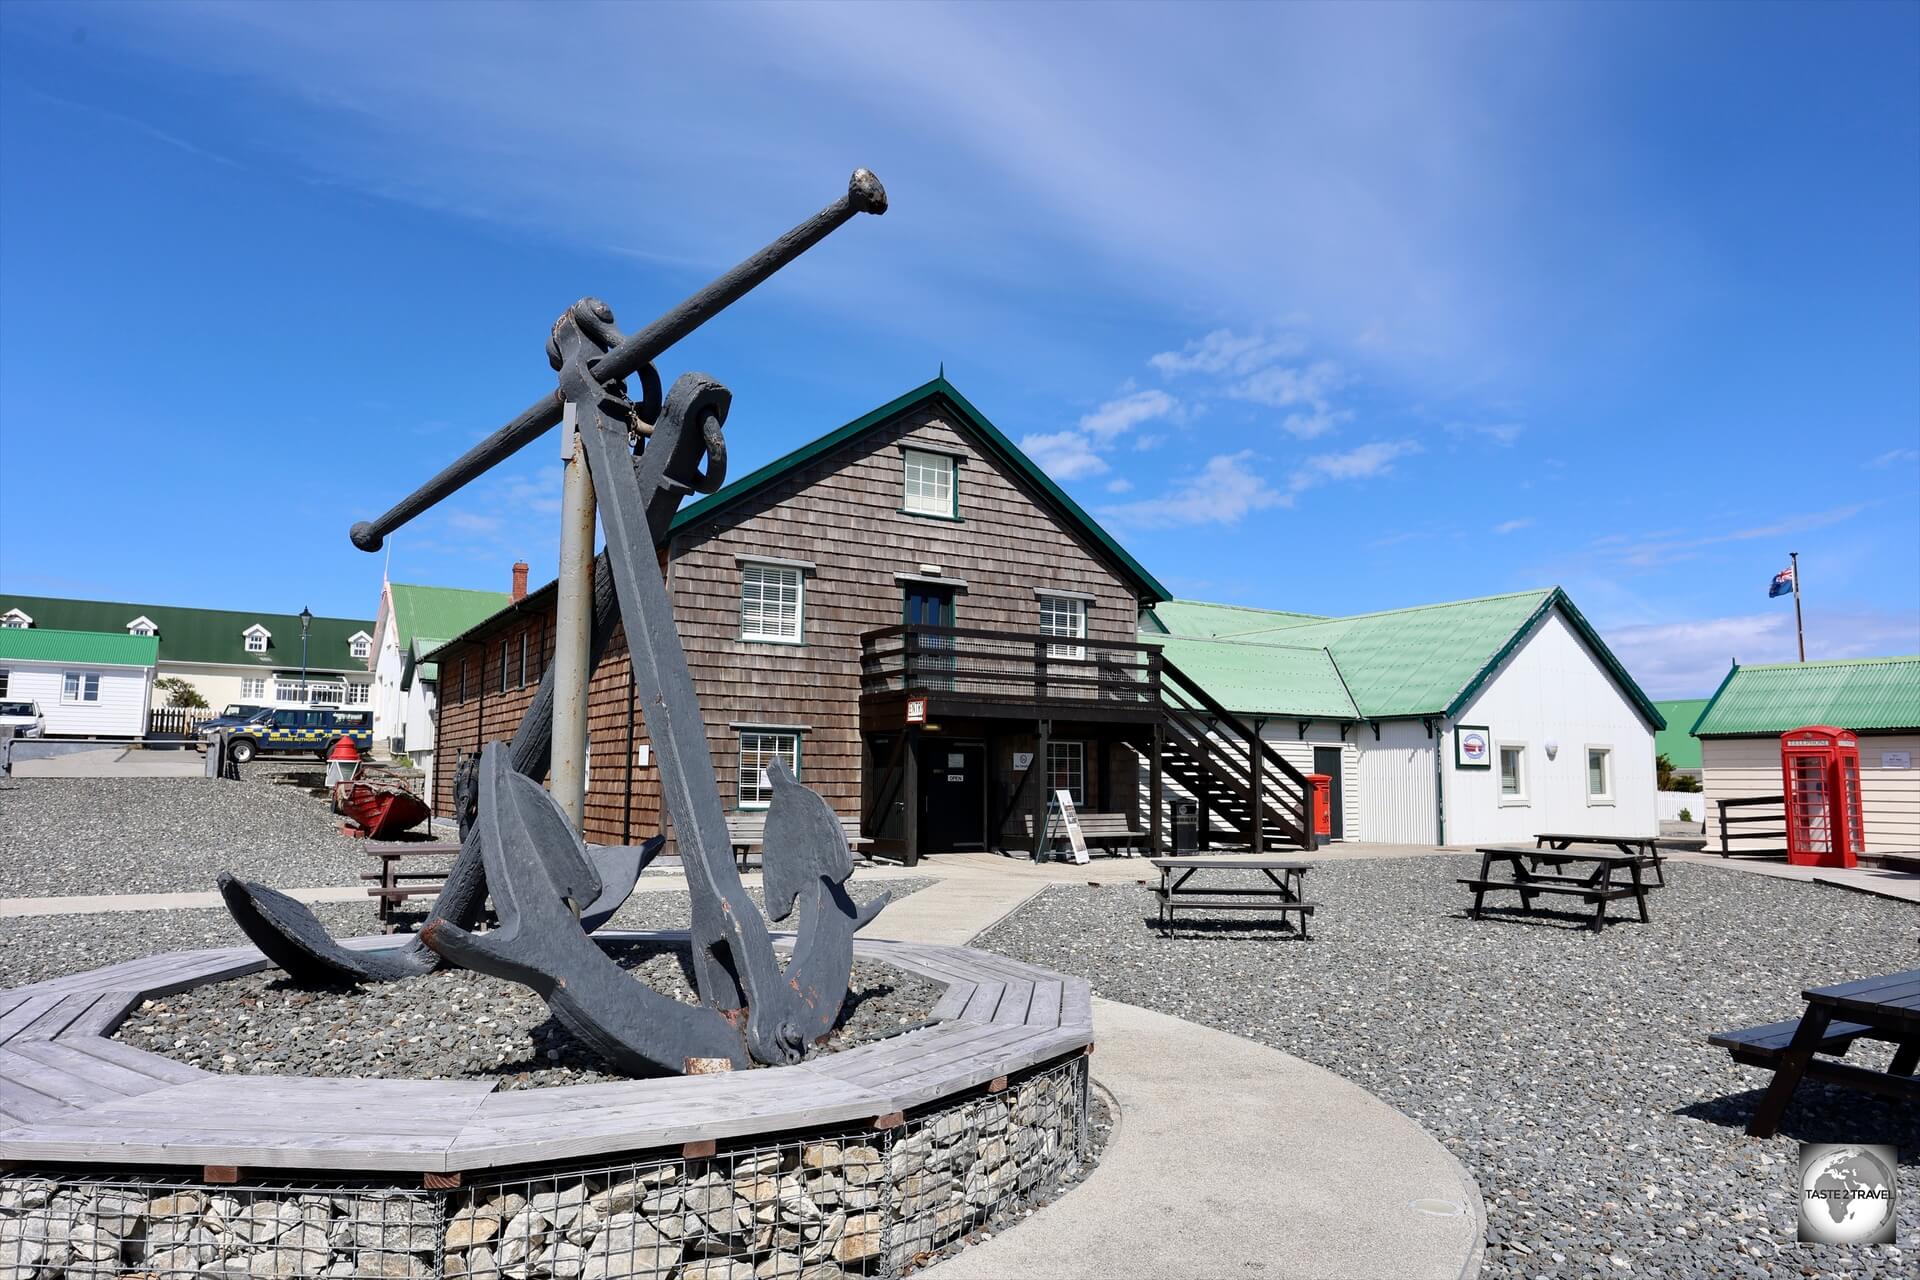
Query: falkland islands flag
{"x": 1782, "y": 583}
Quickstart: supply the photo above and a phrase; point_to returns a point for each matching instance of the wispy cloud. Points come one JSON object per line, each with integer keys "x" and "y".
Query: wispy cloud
{"x": 1076, "y": 452}
{"x": 1223, "y": 491}
{"x": 1894, "y": 457}
{"x": 1224, "y": 351}
{"x": 1688, "y": 659}
{"x": 1513, "y": 526}
{"x": 1501, "y": 433}
{"x": 1668, "y": 545}
{"x": 1364, "y": 462}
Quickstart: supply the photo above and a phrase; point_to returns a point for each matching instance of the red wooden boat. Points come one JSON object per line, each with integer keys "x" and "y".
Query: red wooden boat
{"x": 382, "y": 809}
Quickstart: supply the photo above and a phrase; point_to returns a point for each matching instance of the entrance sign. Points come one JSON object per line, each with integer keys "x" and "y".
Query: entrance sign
{"x": 1472, "y": 747}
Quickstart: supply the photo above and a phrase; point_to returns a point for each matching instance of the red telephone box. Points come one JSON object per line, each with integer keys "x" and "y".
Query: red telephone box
{"x": 1820, "y": 776}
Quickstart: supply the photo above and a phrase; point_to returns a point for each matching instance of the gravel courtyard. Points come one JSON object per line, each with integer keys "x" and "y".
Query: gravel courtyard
{"x": 1568, "y": 1071}
{"x": 61, "y": 836}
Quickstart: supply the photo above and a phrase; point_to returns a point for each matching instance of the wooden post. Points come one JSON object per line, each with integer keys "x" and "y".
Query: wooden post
{"x": 910, "y": 792}
{"x": 1043, "y": 730}
{"x": 1256, "y": 773}
{"x": 572, "y": 629}
{"x": 1156, "y": 819}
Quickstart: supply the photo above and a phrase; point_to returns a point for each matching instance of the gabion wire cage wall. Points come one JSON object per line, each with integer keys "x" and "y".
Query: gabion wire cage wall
{"x": 841, "y": 1203}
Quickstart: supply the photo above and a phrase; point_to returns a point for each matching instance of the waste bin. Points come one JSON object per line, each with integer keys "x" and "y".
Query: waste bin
{"x": 1186, "y": 827}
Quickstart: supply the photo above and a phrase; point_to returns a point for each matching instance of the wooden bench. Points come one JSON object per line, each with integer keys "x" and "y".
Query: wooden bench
{"x": 1883, "y": 1008}
{"x": 1286, "y": 894}
{"x": 1597, "y": 887}
{"x": 748, "y": 831}
{"x": 393, "y": 885}
{"x": 1114, "y": 832}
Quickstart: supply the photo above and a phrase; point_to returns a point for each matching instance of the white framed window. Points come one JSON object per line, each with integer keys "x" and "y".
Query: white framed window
{"x": 360, "y": 644}
{"x": 1513, "y": 772}
{"x": 14, "y": 620}
{"x": 1599, "y": 775}
{"x": 80, "y": 686}
{"x": 758, "y": 749}
{"x": 142, "y": 626}
{"x": 771, "y": 598}
{"x": 253, "y": 687}
{"x": 1067, "y": 770}
{"x": 357, "y": 694}
{"x": 1064, "y": 616}
{"x": 256, "y": 637}
{"x": 929, "y": 483}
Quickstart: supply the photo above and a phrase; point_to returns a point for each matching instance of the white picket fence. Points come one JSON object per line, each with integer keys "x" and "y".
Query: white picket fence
{"x": 1672, "y": 802}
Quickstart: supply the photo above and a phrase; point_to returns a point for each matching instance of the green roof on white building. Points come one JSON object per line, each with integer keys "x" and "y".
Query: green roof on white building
{"x": 82, "y": 648}
{"x": 1861, "y": 694}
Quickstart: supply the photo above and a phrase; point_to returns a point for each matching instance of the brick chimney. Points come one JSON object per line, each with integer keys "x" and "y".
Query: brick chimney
{"x": 519, "y": 580}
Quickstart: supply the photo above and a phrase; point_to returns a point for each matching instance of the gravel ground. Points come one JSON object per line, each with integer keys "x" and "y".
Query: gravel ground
{"x": 1568, "y": 1071}
{"x": 450, "y": 1025}
{"x": 166, "y": 835}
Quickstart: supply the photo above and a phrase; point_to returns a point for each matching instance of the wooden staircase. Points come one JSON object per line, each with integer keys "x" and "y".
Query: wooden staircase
{"x": 1239, "y": 780}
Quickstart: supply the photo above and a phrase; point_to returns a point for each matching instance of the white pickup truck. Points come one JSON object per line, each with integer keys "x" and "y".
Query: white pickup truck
{"x": 23, "y": 718}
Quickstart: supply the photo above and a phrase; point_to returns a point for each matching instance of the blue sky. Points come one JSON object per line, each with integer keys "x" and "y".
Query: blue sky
{"x": 1320, "y": 308}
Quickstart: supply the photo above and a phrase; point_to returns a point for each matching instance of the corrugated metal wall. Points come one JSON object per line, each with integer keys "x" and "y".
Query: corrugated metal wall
{"x": 1395, "y": 774}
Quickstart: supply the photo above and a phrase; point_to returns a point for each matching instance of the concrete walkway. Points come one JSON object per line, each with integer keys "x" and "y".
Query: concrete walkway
{"x": 1902, "y": 886}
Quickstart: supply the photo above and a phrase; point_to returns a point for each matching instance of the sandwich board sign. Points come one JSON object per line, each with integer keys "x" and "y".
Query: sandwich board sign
{"x": 1062, "y": 804}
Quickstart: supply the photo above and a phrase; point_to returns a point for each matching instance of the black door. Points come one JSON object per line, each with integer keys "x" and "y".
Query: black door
{"x": 953, "y": 781}
{"x": 927, "y": 605}
{"x": 1327, "y": 760}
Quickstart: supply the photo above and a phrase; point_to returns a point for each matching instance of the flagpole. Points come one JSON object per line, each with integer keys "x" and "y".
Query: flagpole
{"x": 1798, "y": 630}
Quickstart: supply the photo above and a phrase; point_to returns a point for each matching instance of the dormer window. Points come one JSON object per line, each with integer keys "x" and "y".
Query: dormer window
{"x": 14, "y": 620}
{"x": 142, "y": 626}
{"x": 360, "y": 644}
{"x": 256, "y": 637}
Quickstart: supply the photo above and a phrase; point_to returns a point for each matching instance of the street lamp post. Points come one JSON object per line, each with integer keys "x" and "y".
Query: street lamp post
{"x": 306, "y": 625}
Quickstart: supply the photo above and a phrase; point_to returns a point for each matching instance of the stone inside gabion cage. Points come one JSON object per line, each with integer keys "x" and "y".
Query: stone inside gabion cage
{"x": 852, "y": 1202}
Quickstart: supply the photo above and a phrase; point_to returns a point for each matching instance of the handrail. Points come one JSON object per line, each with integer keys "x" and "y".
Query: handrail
{"x": 1192, "y": 688}
{"x": 867, "y": 638}
{"x": 1292, "y": 805}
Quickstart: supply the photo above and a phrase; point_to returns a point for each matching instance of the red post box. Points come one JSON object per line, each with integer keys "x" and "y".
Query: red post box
{"x": 1820, "y": 778}
{"x": 1322, "y": 803}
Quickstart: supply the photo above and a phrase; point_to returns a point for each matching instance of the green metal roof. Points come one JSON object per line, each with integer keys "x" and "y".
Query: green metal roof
{"x": 203, "y": 635}
{"x": 439, "y": 611}
{"x": 1264, "y": 679}
{"x": 1422, "y": 661}
{"x": 1194, "y": 618}
{"x": 93, "y": 648}
{"x": 973, "y": 420}
{"x": 1860, "y": 694}
{"x": 1676, "y": 742}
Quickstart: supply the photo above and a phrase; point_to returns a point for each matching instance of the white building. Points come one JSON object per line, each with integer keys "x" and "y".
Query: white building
{"x": 87, "y": 685}
{"x": 1740, "y": 728}
{"x": 1471, "y": 722}
{"x": 229, "y": 655}
{"x": 413, "y": 621}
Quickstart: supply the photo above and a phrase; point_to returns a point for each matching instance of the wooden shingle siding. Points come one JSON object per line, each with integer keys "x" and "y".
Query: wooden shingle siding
{"x": 841, "y": 514}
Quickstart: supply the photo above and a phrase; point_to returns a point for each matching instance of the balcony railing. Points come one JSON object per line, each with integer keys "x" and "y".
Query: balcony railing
{"x": 1008, "y": 667}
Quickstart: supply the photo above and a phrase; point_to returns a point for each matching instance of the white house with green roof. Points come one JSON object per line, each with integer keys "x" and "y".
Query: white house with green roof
{"x": 413, "y": 621}
{"x": 87, "y": 684}
{"x": 1466, "y": 722}
{"x": 1877, "y": 698}
{"x": 229, "y": 655}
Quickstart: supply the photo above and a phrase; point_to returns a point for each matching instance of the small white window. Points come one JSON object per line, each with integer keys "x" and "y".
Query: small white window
{"x": 14, "y": 620}
{"x": 757, "y": 751}
{"x": 1513, "y": 773}
{"x": 929, "y": 483}
{"x": 257, "y": 637}
{"x": 1599, "y": 775}
{"x": 142, "y": 626}
{"x": 1064, "y": 616}
{"x": 360, "y": 645}
{"x": 80, "y": 686}
{"x": 1067, "y": 770}
{"x": 357, "y": 693}
{"x": 254, "y": 687}
{"x": 770, "y": 603}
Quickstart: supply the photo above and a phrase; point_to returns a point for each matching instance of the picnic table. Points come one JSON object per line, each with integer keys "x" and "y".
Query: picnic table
{"x": 1647, "y": 847}
{"x": 1283, "y": 895}
{"x": 1598, "y": 886}
{"x": 395, "y": 881}
{"x": 1883, "y": 1008}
